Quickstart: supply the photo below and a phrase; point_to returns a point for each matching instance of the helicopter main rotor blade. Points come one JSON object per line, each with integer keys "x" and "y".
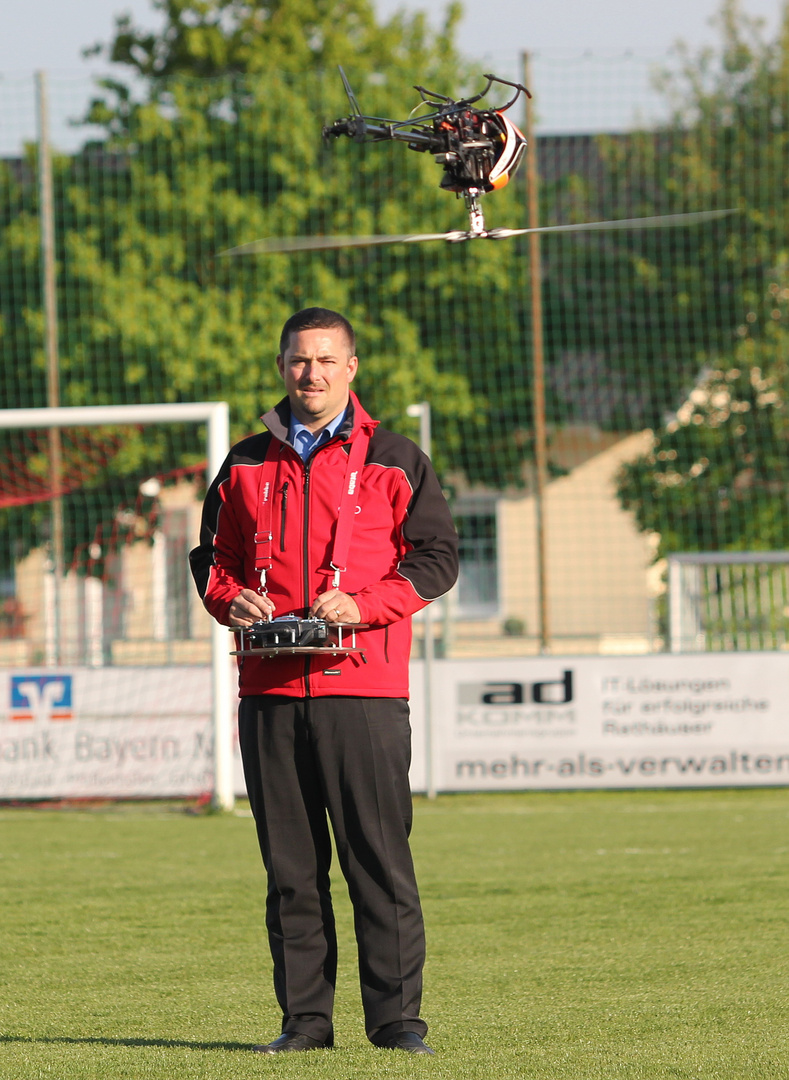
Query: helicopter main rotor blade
{"x": 662, "y": 221}
{"x": 275, "y": 244}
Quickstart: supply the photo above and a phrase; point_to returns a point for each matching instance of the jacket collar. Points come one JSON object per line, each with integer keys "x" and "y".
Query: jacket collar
{"x": 277, "y": 420}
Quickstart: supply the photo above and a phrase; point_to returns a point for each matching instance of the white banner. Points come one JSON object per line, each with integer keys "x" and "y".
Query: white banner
{"x": 694, "y": 720}
{"x": 705, "y": 720}
{"x": 107, "y": 732}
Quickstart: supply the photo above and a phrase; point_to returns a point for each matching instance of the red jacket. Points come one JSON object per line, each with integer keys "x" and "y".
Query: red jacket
{"x": 403, "y": 550}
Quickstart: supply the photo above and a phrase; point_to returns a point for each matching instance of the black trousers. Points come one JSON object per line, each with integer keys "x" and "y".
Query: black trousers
{"x": 347, "y": 758}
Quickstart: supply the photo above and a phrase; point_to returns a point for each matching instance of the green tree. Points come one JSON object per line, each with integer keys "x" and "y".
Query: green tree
{"x": 717, "y": 475}
{"x": 442, "y": 324}
{"x": 638, "y": 307}
{"x": 236, "y": 155}
{"x": 190, "y": 166}
{"x": 208, "y": 38}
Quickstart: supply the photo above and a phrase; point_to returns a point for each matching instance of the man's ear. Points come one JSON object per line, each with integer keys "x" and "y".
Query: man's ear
{"x": 353, "y": 366}
{"x": 280, "y": 365}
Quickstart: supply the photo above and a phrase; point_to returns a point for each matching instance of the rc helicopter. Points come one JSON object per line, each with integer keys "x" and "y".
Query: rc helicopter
{"x": 478, "y": 149}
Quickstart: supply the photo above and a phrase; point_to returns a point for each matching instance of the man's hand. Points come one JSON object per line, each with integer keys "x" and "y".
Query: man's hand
{"x": 249, "y": 607}
{"x": 335, "y": 606}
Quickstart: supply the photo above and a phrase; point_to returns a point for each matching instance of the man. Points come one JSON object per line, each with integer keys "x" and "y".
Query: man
{"x": 330, "y": 516}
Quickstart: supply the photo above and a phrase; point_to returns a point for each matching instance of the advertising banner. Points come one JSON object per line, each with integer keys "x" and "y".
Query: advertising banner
{"x": 107, "y": 732}
{"x": 705, "y": 719}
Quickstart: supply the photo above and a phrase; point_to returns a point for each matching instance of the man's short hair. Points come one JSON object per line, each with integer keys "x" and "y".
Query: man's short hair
{"x": 316, "y": 318}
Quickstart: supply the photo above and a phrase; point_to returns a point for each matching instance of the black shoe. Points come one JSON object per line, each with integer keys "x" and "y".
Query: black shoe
{"x": 293, "y": 1040}
{"x": 406, "y": 1040}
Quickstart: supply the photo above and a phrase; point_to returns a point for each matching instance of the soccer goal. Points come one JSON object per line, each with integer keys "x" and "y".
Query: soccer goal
{"x": 728, "y": 600}
{"x": 98, "y": 617}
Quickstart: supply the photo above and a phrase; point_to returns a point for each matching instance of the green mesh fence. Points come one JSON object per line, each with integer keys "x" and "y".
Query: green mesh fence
{"x": 665, "y": 351}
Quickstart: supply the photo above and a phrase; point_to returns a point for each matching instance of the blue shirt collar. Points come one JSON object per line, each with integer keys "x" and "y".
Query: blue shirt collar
{"x": 305, "y": 441}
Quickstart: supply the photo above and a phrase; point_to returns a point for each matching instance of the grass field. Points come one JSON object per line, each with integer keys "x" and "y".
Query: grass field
{"x": 580, "y": 935}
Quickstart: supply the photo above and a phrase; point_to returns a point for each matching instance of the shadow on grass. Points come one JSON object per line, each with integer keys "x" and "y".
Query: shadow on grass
{"x": 96, "y": 1040}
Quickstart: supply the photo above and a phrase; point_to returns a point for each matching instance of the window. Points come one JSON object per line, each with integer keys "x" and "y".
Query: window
{"x": 478, "y": 580}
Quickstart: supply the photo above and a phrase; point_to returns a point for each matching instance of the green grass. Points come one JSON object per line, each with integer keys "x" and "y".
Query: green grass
{"x": 580, "y": 935}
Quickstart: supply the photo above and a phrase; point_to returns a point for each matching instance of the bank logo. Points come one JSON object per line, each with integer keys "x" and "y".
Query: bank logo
{"x": 41, "y": 697}
{"x": 547, "y": 692}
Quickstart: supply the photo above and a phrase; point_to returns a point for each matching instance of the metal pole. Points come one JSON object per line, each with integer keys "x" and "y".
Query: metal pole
{"x": 224, "y": 788}
{"x": 47, "y": 220}
{"x": 422, "y": 410}
{"x": 675, "y": 642}
{"x": 538, "y": 367}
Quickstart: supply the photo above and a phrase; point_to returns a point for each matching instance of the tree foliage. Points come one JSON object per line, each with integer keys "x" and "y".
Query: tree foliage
{"x": 630, "y": 312}
{"x": 236, "y": 154}
{"x": 717, "y": 475}
{"x": 209, "y": 38}
{"x": 213, "y": 140}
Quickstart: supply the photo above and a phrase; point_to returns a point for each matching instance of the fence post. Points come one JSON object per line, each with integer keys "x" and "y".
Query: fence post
{"x": 538, "y": 368}
{"x": 50, "y": 311}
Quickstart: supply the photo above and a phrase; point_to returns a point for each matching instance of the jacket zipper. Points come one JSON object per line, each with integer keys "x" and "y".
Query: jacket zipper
{"x": 282, "y": 518}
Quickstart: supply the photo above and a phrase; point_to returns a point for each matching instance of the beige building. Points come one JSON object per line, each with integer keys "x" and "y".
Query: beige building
{"x": 601, "y": 581}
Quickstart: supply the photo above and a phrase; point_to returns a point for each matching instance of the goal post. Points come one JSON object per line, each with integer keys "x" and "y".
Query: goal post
{"x": 215, "y": 415}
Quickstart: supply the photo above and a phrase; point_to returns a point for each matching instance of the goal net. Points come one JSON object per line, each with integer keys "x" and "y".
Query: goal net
{"x": 117, "y": 683}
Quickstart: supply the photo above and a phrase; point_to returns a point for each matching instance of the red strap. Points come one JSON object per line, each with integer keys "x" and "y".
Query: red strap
{"x": 347, "y": 509}
{"x": 263, "y": 535}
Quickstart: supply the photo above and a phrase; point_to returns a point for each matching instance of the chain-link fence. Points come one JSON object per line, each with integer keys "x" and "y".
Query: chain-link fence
{"x": 664, "y": 351}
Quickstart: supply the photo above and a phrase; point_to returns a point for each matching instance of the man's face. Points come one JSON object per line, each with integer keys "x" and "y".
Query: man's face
{"x": 318, "y": 369}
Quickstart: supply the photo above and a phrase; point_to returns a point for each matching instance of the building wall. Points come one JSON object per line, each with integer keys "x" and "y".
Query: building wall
{"x": 597, "y": 561}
